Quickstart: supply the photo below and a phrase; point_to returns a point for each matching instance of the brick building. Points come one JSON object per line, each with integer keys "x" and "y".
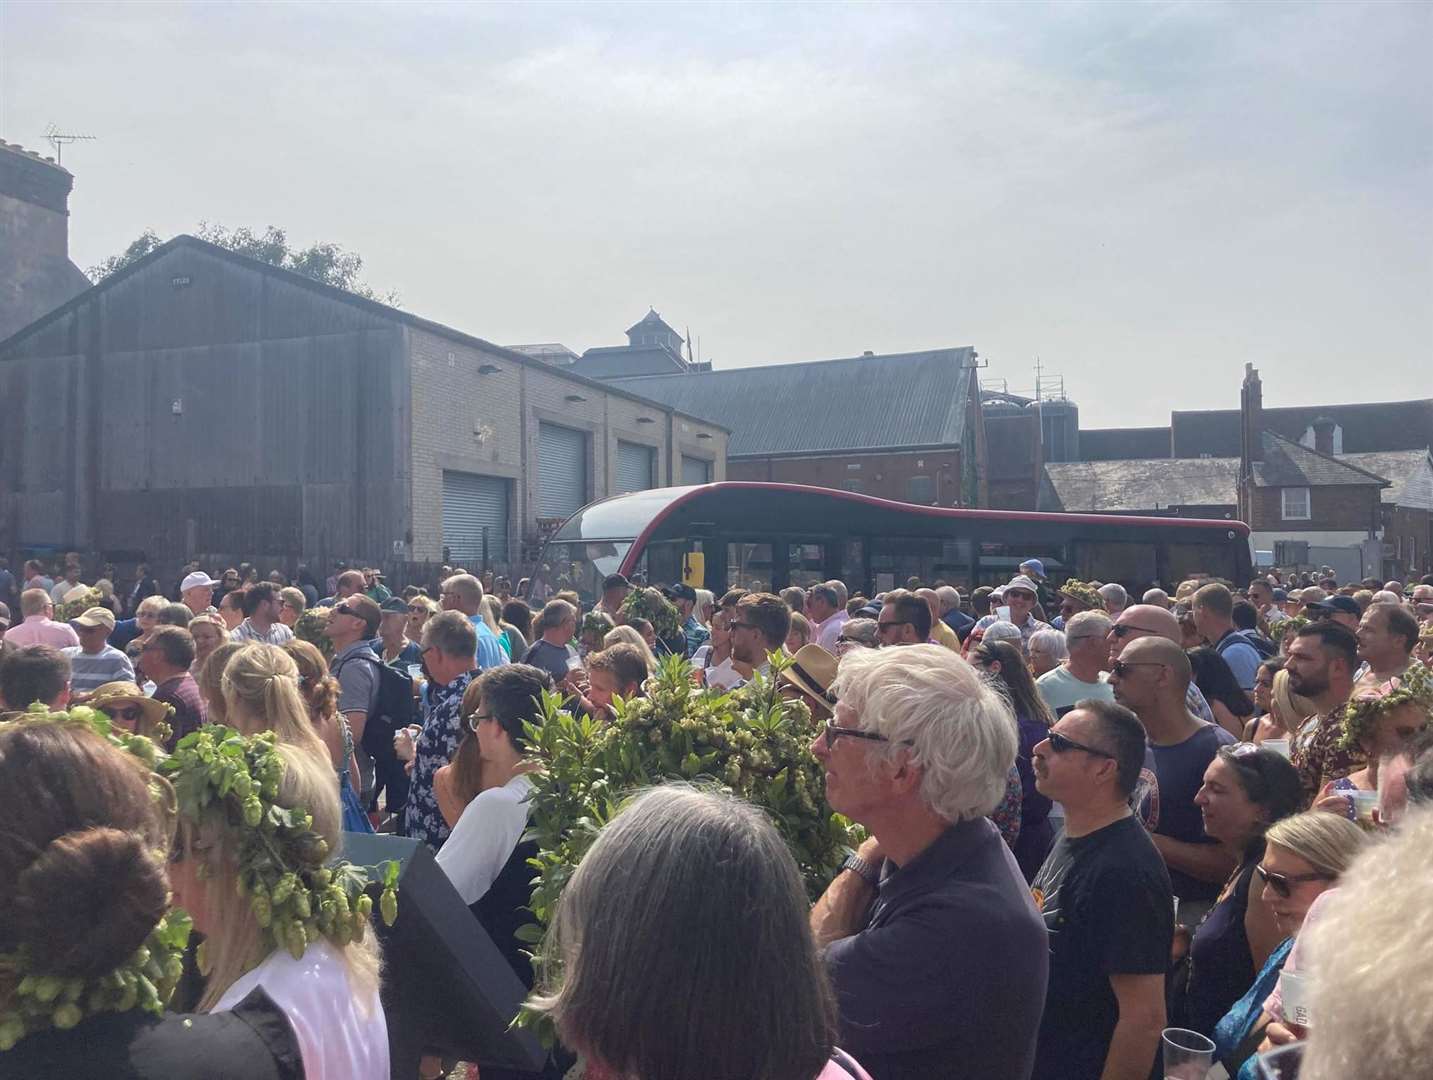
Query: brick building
{"x": 201, "y": 404}
{"x": 904, "y": 426}
{"x": 36, "y": 275}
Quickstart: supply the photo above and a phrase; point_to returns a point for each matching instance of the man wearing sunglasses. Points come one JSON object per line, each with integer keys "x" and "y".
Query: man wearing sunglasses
{"x": 1149, "y": 620}
{"x": 937, "y": 954}
{"x": 1151, "y": 678}
{"x": 1105, "y": 896}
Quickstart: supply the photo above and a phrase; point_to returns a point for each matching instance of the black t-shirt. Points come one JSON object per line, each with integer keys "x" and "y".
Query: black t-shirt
{"x": 1109, "y": 911}
{"x": 1167, "y": 807}
{"x": 252, "y": 1041}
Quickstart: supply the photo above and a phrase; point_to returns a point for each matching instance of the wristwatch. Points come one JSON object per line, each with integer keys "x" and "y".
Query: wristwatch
{"x": 862, "y": 869}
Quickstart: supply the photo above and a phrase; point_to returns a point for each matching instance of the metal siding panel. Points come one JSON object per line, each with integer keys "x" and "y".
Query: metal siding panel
{"x": 470, "y": 503}
{"x": 635, "y": 468}
{"x": 696, "y": 470}
{"x": 561, "y": 470}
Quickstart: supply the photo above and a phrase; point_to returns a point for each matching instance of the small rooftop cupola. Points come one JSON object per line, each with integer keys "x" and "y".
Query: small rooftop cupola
{"x": 652, "y": 330}
{"x": 1324, "y": 427}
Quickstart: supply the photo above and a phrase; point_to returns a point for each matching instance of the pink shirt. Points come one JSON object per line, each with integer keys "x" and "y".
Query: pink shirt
{"x": 42, "y": 630}
{"x": 829, "y": 630}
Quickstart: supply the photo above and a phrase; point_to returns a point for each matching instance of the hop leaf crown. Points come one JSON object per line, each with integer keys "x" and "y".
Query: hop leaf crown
{"x": 229, "y": 781}
{"x": 1362, "y": 712}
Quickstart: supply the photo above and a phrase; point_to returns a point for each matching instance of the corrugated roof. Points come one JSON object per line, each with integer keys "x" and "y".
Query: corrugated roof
{"x": 1290, "y": 464}
{"x": 859, "y": 403}
{"x": 1148, "y": 485}
{"x": 1410, "y": 473}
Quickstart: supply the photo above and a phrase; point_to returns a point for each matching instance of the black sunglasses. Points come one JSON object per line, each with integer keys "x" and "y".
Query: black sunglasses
{"x": 1060, "y": 744}
{"x": 888, "y": 623}
{"x": 1283, "y": 884}
{"x": 831, "y": 733}
{"x": 343, "y": 609}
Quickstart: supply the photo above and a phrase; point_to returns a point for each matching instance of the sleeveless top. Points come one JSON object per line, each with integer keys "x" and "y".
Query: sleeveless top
{"x": 503, "y": 909}
{"x": 1221, "y": 965}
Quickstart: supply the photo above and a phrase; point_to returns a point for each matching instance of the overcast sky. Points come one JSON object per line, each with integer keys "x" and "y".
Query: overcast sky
{"x": 1144, "y": 196}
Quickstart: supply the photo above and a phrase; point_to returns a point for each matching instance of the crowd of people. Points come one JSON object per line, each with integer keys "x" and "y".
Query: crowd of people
{"x": 1087, "y": 819}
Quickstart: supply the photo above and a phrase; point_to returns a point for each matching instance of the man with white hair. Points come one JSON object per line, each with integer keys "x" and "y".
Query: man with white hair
{"x": 1115, "y": 598}
{"x": 1082, "y": 676}
{"x": 937, "y": 954}
{"x": 950, "y": 612}
{"x": 1156, "y": 598}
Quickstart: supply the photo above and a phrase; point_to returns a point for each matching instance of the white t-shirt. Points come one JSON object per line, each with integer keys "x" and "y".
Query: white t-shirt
{"x": 1060, "y": 689}
{"x": 484, "y": 838}
{"x": 337, "y": 1039}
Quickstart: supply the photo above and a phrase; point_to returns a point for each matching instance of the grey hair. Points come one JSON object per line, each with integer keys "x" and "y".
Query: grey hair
{"x": 1369, "y": 963}
{"x": 1093, "y": 623}
{"x": 866, "y": 631}
{"x": 842, "y": 595}
{"x": 1116, "y": 592}
{"x": 949, "y": 598}
{"x": 468, "y": 588}
{"x": 681, "y": 947}
{"x": 554, "y": 614}
{"x": 1051, "y": 640}
{"x": 1386, "y": 596}
{"x": 933, "y": 705}
{"x": 451, "y": 633}
{"x": 1157, "y": 597}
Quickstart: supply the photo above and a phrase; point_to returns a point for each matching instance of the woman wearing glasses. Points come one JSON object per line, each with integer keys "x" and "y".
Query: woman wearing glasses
{"x": 1304, "y": 857}
{"x": 1246, "y": 790}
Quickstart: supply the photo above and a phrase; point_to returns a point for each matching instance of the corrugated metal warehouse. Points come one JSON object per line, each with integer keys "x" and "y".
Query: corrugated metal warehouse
{"x": 201, "y": 404}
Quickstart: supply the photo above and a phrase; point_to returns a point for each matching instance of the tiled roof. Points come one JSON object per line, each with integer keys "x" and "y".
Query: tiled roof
{"x": 1410, "y": 473}
{"x": 859, "y": 403}
{"x": 1125, "y": 444}
{"x": 1290, "y": 464}
{"x": 1389, "y": 425}
{"x": 1149, "y": 485}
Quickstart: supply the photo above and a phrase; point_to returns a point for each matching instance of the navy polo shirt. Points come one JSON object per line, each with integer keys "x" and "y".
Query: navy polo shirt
{"x": 948, "y": 977}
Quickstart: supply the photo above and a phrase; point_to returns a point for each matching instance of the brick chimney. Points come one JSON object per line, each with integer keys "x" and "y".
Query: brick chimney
{"x": 36, "y": 275}
{"x": 1251, "y": 436}
{"x": 1323, "y": 434}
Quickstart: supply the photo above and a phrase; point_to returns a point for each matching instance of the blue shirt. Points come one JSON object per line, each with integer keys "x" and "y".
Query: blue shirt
{"x": 1243, "y": 659}
{"x": 442, "y": 732}
{"x": 696, "y": 635}
{"x": 490, "y": 652}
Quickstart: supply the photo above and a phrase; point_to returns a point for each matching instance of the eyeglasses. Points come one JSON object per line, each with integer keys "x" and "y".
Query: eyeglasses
{"x": 1061, "y": 745}
{"x": 884, "y": 625}
{"x": 1121, "y": 667}
{"x": 1283, "y": 884}
{"x": 830, "y": 733}
{"x": 477, "y": 718}
{"x": 1123, "y": 630}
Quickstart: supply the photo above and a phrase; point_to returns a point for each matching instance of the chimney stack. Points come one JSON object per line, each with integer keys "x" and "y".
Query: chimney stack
{"x": 1251, "y": 416}
{"x": 1323, "y": 434}
{"x": 36, "y": 275}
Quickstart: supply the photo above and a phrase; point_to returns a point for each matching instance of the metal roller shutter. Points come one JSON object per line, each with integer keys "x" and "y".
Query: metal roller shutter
{"x": 470, "y": 504}
{"x": 561, "y": 471}
{"x": 696, "y": 470}
{"x": 634, "y": 468}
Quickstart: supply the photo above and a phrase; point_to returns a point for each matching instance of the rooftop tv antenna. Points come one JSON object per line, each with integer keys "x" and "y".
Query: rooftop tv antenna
{"x": 60, "y": 139}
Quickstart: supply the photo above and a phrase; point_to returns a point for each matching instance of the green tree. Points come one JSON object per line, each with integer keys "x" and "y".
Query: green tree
{"x": 325, "y": 262}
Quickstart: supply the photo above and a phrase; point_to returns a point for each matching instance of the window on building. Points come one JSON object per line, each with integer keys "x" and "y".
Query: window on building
{"x": 920, "y": 489}
{"x": 1296, "y": 504}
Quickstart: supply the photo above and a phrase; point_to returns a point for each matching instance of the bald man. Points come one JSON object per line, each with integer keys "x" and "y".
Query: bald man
{"x": 1152, "y": 677}
{"x": 1148, "y": 620}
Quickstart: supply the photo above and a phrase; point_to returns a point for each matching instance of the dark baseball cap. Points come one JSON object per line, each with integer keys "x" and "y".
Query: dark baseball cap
{"x": 1345, "y": 605}
{"x": 394, "y": 606}
{"x": 615, "y": 581}
{"x": 680, "y": 591}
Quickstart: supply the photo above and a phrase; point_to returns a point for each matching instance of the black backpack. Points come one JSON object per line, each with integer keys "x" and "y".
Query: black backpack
{"x": 392, "y": 709}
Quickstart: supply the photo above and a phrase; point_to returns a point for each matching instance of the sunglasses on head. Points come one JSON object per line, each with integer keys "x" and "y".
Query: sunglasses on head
{"x": 1061, "y": 745}
{"x": 1283, "y": 884}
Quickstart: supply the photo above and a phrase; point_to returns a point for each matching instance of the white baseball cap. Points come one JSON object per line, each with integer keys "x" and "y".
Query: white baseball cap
{"x": 196, "y": 579}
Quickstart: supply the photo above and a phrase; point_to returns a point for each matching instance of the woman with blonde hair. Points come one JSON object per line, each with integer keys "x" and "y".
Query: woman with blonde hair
{"x": 144, "y": 623}
{"x": 320, "y": 692}
{"x": 260, "y": 686}
{"x": 210, "y": 678}
{"x": 208, "y": 632}
{"x": 250, "y": 900}
{"x": 629, "y": 635}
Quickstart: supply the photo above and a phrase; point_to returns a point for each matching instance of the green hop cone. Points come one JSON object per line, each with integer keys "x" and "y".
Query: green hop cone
{"x": 67, "y": 1016}
{"x": 364, "y": 906}
{"x": 253, "y": 812}
{"x": 388, "y": 905}
{"x": 297, "y": 941}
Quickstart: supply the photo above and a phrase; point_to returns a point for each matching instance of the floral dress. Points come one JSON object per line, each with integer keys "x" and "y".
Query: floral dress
{"x": 442, "y": 732}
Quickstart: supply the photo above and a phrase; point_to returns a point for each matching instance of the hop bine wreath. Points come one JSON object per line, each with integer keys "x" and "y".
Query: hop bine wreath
{"x": 310, "y": 627}
{"x": 232, "y": 780}
{"x": 1362, "y": 712}
{"x": 31, "y": 1000}
{"x": 651, "y": 605}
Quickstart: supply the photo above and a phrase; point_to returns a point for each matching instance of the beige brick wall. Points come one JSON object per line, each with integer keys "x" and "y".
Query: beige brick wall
{"x": 487, "y": 423}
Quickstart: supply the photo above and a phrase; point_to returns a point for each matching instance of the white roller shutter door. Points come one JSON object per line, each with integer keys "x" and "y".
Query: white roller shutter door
{"x": 470, "y": 504}
{"x": 634, "y": 468}
{"x": 696, "y": 470}
{"x": 561, "y": 471}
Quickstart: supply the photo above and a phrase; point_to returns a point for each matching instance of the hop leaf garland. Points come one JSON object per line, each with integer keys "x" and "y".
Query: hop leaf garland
{"x": 651, "y": 605}
{"x": 297, "y": 897}
{"x": 310, "y": 627}
{"x": 30, "y": 999}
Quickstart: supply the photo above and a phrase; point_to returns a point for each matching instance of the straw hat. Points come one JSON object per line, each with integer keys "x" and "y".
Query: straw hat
{"x": 812, "y": 671}
{"x": 119, "y": 695}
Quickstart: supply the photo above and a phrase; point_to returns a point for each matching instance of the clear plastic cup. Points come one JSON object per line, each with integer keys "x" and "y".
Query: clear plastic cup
{"x": 1188, "y": 1055}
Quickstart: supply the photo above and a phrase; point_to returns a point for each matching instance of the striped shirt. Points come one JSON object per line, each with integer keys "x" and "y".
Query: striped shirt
{"x": 247, "y": 631}
{"x": 90, "y": 671}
